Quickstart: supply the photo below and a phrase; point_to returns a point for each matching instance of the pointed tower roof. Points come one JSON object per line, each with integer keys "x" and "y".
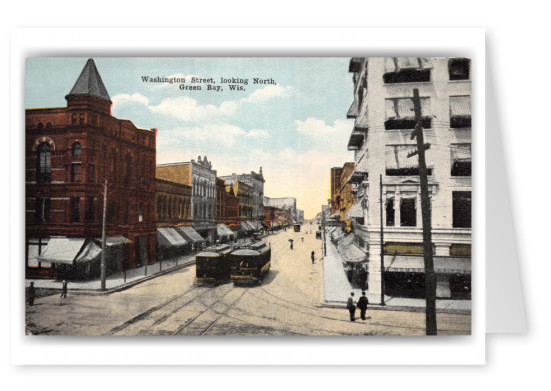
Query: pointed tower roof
{"x": 89, "y": 83}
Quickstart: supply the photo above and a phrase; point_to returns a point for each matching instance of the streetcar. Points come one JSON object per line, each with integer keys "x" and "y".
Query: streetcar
{"x": 296, "y": 227}
{"x": 250, "y": 263}
{"x": 212, "y": 264}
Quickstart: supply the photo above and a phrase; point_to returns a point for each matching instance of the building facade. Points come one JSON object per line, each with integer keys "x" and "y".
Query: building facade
{"x": 232, "y": 217}
{"x": 173, "y": 201}
{"x": 244, "y": 194}
{"x": 71, "y": 152}
{"x": 286, "y": 203}
{"x": 335, "y": 188}
{"x": 202, "y": 179}
{"x": 256, "y": 182}
{"x": 384, "y": 120}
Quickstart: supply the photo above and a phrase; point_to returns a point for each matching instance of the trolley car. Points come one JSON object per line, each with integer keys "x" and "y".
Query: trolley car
{"x": 250, "y": 262}
{"x": 212, "y": 265}
{"x": 296, "y": 227}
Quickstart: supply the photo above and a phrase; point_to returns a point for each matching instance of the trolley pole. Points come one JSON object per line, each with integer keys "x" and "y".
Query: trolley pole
{"x": 382, "y": 241}
{"x": 103, "y": 239}
{"x": 430, "y": 281}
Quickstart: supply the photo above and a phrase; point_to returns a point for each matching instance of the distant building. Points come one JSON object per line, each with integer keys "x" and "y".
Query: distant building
{"x": 202, "y": 179}
{"x": 287, "y": 203}
{"x": 335, "y": 188}
{"x": 384, "y": 120}
{"x": 244, "y": 194}
{"x": 256, "y": 182}
{"x": 232, "y": 217}
{"x": 70, "y": 153}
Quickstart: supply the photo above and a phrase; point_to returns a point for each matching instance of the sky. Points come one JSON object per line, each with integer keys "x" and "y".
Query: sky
{"x": 295, "y": 127}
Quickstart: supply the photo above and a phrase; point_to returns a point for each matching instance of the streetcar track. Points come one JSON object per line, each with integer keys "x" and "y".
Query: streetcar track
{"x": 190, "y": 321}
{"x": 147, "y": 312}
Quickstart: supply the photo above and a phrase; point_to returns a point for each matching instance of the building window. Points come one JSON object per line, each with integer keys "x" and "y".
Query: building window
{"x": 43, "y": 169}
{"x": 77, "y": 149}
{"x": 140, "y": 213}
{"x": 461, "y": 209}
{"x": 461, "y": 159}
{"x": 75, "y": 172}
{"x": 42, "y": 209}
{"x": 90, "y": 210}
{"x": 74, "y": 118}
{"x": 459, "y": 68}
{"x": 75, "y": 209}
{"x": 91, "y": 173}
{"x": 460, "y": 111}
{"x": 81, "y": 118}
{"x": 407, "y": 70}
{"x": 390, "y": 212}
{"x": 408, "y": 212}
{"x": 400, "y": 113}
{"x": 398, "y": 163}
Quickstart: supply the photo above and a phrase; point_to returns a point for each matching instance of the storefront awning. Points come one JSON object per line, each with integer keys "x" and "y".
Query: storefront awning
{"x": 416, "y": 264}
{"x": 356, "y": 210}
{"x": 189, "y": 234}
{"x": 114, "y": 241}
{"x": 353, "y": 253}
{"x": 223, "y": 230}
{"x": 168, "y": 237}
{"x": 70, "y": 250}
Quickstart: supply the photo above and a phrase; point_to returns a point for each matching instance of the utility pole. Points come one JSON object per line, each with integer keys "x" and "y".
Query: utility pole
{"x": 430, "y": 281}
{"x": 382, "y": 241}
{"x": 103, "y": 265}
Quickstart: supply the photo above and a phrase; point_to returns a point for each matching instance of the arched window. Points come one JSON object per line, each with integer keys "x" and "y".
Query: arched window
{"x": 77, "y": 149}
{"x": 40, "y": 126}
{"x": 43, "y": 165}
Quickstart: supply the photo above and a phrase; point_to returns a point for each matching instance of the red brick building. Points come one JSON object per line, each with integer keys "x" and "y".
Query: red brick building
{"x": 232, "y": 207}
{"x": 70, "y": 153}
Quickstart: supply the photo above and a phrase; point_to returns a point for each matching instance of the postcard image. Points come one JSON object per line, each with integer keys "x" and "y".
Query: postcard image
{"x": 279, "y": 196}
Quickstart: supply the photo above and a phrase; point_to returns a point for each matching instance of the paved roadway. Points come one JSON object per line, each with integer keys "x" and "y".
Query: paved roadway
{"x": 287, "y": 302}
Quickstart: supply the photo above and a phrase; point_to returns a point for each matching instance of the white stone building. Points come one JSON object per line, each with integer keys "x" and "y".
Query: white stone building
{"x": 384, "y": 120}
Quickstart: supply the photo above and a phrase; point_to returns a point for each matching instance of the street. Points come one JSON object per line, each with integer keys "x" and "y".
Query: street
{"x": 287, "y": 302}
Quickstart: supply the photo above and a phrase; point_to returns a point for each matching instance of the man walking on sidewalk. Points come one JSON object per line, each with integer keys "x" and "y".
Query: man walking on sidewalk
{"x": 313, "y": 257}
{"x": 31, "y": 293}
{"x": 351, "y": 306}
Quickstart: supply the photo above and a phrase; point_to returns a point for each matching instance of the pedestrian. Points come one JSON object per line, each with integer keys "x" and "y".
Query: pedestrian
{"x": 64, "y": 289}
{"x": 31, "y": 294}
{"x": 351, "y": 306}
{"x": 302, "y": 239}
{"x": 362, "y": 305}
{"x": 313, "y": 257}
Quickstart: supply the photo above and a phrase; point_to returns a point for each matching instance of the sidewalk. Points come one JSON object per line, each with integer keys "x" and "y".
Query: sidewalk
{"x": 337, "y": 288}
{"x": 117, "y": 282}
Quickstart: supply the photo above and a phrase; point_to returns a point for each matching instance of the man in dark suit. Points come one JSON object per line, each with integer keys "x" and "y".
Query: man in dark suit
{"x": 351, "y": 306}
{"x": 362, "y": 305}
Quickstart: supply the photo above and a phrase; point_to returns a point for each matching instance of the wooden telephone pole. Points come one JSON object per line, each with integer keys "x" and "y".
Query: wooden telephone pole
{"x": 430, "y": 280}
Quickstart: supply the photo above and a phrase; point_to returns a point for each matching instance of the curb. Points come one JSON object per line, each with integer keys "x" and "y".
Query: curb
{"x": 400, "y": 308}
{"x": 130, "y": 284}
